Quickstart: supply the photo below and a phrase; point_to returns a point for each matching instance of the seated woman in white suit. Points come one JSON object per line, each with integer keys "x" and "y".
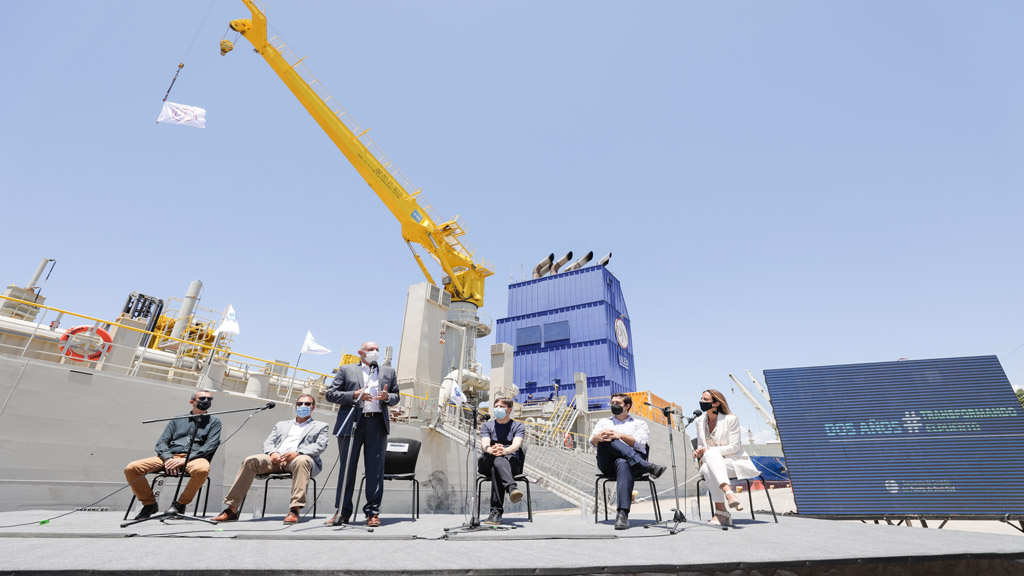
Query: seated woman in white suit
{"x": 721, "y": 454}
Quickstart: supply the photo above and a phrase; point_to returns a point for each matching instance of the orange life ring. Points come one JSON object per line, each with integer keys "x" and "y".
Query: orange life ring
{"x": 567, "y": 441}
{"x": 70, "y": 352}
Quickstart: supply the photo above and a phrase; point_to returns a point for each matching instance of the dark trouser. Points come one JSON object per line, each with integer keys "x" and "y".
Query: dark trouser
{"x": 618, "y": 459}
{"x": 502, "y": 471}
{"x": 371, "y": 435}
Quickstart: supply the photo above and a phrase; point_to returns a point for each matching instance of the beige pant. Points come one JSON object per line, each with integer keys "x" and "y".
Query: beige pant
{"x": 301, "y": 468}
{"x": 198, "y": 470}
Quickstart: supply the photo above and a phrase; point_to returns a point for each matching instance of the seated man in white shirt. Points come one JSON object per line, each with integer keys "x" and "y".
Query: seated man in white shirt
{"x": 622, "y": 452}
{"x": 293, "y": 446}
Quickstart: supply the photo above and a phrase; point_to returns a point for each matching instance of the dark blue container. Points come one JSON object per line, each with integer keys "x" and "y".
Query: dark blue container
{"x": 567, "y": 323}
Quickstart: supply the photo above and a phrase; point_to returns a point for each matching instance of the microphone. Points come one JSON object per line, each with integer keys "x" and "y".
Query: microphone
{"x": 373, "y": 366}
{"x": 696, "y": 414}
{"x": 270, "y": 405}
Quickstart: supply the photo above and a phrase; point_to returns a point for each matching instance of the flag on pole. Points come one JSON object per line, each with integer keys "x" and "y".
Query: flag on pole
{"x": 181, "y": 114}
{"x": 456, "y": 395}
{"x": 310, "y": 346}
{"x": 229, "y": 325}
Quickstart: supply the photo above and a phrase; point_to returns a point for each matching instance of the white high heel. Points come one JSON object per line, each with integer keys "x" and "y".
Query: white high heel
{"x": 715, "y": 521}
{"x": 734, "y": 503}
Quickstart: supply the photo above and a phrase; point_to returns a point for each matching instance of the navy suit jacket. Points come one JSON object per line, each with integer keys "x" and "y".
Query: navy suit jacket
{"x": 342, "y": 391}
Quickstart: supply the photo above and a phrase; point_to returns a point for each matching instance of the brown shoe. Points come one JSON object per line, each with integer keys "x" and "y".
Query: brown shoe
{"x": 226, "y": 516}
{"x": 337, "y": 520}
{"x": 292, "y": 517}
{"x": 373, "y": 521}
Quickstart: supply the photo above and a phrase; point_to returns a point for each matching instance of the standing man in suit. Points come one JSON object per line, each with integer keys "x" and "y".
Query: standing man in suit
{"x": 365, "y": 390}
{"x": 293, "y": 446}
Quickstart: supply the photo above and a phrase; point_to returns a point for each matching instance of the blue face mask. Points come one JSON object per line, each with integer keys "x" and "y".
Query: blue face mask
{"x": 303, "y": 411}
{"x": 500, "y": 413}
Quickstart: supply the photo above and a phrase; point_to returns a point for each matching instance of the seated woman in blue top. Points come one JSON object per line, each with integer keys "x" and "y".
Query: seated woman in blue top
{"x": 502, "y": 460}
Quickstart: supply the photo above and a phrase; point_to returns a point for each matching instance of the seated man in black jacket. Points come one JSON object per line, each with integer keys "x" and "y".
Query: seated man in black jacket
{"x": 170, "y": 455}
{"x": 502, "y": 459}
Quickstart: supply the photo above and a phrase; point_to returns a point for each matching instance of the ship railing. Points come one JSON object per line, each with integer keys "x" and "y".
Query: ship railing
{"x": 195, "y": 362}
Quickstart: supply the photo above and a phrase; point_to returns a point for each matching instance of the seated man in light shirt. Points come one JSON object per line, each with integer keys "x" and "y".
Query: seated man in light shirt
{"x": 622, "y": 452}
{"x": 293, "y": 446}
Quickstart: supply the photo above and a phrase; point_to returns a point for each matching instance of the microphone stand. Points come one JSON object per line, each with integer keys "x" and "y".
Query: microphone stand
{"x": 474, "y": 524}
{"x": 172, "y": 513}
{"x": 677, "y": 513}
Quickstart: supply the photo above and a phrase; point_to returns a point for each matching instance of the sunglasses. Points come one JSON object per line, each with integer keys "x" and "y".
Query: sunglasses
{"x": 303, "y": 403}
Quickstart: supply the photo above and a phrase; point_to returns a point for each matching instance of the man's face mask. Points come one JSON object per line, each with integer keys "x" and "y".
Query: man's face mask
{"x": 204, "y": 403}
{"x": 500, "y": 413}
{"x": 618, "y": 409}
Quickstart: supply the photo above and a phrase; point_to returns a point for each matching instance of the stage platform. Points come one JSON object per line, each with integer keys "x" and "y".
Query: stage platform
{"x": 555, "y": 543}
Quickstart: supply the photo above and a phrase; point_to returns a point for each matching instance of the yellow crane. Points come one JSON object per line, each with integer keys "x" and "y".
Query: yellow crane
{"x": 464, "y": 276}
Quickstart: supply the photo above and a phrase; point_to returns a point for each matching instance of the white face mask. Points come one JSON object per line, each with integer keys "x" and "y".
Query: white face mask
{"x": 372, "y": 356}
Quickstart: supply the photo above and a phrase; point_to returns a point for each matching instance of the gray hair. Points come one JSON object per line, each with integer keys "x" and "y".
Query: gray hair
{"x": 196, "y": 393}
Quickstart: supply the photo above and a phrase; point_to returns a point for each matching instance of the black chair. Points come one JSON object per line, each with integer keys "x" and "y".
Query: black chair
{"x": 521, "y": 477}
{"x": 278, "y": 476}
{"x": 164, "y": 474}
{"x": 750, "y": 494}
{"x": 400, "y": 464}
{"x": 604, "y": 493}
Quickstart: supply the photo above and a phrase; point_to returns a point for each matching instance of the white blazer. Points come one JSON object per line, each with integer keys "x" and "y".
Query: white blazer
{"x": 726, "y": 440}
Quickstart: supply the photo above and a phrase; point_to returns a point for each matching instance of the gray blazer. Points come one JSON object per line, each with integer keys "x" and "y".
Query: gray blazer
{"x": 312, "y": 444}
{"x": 347, "y": 382}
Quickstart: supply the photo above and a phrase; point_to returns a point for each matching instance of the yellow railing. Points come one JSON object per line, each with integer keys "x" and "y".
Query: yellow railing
{"x": 205, "y": 347}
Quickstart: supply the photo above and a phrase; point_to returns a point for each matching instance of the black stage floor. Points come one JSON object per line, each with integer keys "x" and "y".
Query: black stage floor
{"x": 555, "y": 543}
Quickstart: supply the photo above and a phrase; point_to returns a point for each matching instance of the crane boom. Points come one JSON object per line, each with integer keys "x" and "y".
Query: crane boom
{"x": 757, "y": 406}
{"x": 464, "y": 277}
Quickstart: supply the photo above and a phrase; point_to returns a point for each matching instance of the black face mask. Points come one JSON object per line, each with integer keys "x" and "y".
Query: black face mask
{"x": 204, "y": 403}
{"x": 617, "y": 409}
{"x": 705, "y": 406}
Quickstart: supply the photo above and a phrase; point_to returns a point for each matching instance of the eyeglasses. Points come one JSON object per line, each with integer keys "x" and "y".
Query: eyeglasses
{"x": 303, "y": 403}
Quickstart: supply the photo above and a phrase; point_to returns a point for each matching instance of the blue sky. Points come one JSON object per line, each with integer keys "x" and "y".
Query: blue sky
{"x": 781, "y": 183}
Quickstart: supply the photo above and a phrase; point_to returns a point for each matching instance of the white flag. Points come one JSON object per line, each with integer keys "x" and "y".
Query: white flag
{"x": 456, "y": 396}
{"x": 229, "y": 325}
{"x": 310, "y": 346}
{"x": 181, "y": 114}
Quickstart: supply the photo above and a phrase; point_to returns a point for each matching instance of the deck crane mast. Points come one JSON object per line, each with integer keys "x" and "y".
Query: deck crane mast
{"x": 757, "y": 405}
{"x": 464, "y": 276}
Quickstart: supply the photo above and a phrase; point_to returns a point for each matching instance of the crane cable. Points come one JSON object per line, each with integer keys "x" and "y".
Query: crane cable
{"x": 189, "y": 50}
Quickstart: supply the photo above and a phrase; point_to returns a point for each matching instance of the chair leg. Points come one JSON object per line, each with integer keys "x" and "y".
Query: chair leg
{"x": 266, "y": 489}
{"x": 479, "y": 491}
{"x": 416, "y": 495}
{"x": 130, "y": 504}
{"x": 768, "y": 493}
{"x": 359, "y": 495}
{"x": 750, "y": 494}
{"x": 697, "y": 496}
{"x": 654, "y": 498}
{"x": 529, "y": 501}
{"x": 206, "y": 501}
{"x": 604, "y": 494}
{"x": 314, "y": 495}
{"x": 596, "y": 482}
{"x": 413, "y": 499}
